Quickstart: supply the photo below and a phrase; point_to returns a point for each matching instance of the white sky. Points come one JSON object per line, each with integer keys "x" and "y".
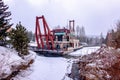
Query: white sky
{"x": 95, "y": 15}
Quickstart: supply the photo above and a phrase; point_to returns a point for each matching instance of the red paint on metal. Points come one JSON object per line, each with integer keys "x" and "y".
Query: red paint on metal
{"x": 47, "y": 34}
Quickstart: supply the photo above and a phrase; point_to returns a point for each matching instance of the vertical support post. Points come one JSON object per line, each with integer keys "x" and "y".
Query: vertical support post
{"x": 47, "y": 34}
{"x": 50, "y": 36}
{"x": 36, "y": 33}
{"x": 71, "y": 25}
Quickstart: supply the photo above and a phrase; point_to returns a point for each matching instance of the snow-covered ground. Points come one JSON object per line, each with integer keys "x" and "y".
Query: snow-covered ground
{"x": 49, "y": 68}
{"x": 55, "y": 68}
{"x": 8, "y": 58}
{"x": 9, "y": 61}
{"x": 45, "y": 68}
{"x": 84, "y": 51}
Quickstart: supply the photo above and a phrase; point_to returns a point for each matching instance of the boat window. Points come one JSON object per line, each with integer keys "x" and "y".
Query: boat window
{"x": 60, "y": 37}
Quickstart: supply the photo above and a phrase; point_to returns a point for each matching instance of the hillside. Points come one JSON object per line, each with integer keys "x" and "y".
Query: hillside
{"x": 11, "y": 64}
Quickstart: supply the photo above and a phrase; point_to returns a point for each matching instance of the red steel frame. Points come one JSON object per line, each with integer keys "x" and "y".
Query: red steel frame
{"x": 47, "y": 34}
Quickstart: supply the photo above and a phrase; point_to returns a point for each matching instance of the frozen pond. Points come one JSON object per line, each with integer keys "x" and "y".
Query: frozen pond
{"x": 55, "y": 68}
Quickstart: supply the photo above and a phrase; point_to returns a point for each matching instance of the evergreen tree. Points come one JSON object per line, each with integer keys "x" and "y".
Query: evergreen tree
{"x": 82, "y": 35}
{"x": 117, "y": 36}
{"x": 102, "y": 40}
{"x": 19, "y": 39}
{"x": 77, "y": 31}
{"x": 113, "y": 37}
{"x": 4, "y": 21}
{"x": 110, "y": 38}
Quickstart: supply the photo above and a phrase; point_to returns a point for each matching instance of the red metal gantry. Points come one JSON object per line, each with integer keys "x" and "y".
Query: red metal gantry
{"x": 48, "y": 43}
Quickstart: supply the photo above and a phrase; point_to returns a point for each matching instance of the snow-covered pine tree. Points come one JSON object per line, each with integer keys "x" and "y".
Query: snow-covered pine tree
{"x": 4, "y": 22}
{"x": 20, "y": 40}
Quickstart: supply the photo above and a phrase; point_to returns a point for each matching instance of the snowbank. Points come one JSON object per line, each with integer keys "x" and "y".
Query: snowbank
{"x": 84, "y": 51}
{"x": 8, "y": 58}
{"x": 10, "y": 61}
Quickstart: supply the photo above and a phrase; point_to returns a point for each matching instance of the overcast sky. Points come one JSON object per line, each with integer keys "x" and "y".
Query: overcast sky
{"x": 95, "y": 15}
